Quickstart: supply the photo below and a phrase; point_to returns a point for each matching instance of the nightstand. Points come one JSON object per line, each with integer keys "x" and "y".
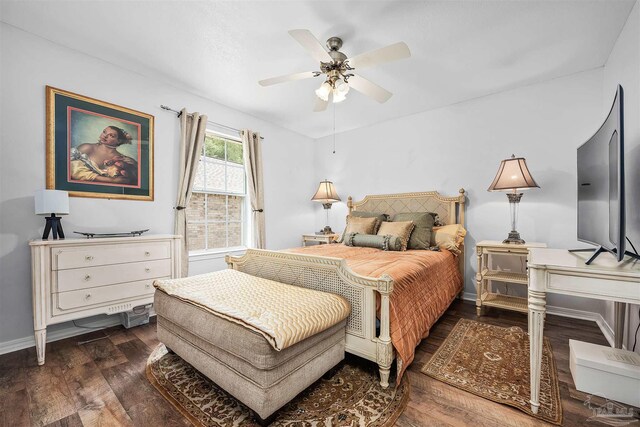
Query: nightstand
{"x": 486, "y": 275}
{"x": 318, "y": 238}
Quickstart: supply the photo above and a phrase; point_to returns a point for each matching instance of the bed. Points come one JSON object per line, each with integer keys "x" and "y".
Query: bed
{"x": 384, "y": 293}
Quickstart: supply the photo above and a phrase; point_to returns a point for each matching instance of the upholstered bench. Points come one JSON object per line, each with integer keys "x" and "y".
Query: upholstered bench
{"x": 242, "y": 361}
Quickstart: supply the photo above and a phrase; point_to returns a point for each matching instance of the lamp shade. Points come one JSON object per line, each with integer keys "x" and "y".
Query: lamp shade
{"x": 341, "y": 87}
{"x": 513, "y": 174}
{"x": 323, "y": 91}
{"x": 52, "y": 202}
{"x": 326, "y": 193}
{"x": 338, "y": 96}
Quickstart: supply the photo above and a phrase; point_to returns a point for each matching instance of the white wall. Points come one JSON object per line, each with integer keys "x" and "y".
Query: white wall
{"x": 623, "y": 67}
{"x": 462, "y": 146}
{"x": 28, "y": 63}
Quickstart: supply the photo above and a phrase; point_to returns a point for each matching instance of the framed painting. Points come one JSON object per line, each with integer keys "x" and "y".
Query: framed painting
{"x": 98, "y": 149}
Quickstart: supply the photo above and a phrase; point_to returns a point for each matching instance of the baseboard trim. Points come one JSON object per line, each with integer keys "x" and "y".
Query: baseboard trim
{"x": 605, "y": 328}
{"x": 71, "y": 331}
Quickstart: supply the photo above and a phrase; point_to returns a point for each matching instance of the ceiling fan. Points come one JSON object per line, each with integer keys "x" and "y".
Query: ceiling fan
{"x": 338, "y": 69}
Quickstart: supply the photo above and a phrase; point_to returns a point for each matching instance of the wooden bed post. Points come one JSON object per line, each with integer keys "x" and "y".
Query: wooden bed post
{"x": 461, "y": 261}
{"x": 350, "y": 203}
{"x": 384, "y": 348}
{"x": 461, "y": 200}
{"x": 230, "y": 264}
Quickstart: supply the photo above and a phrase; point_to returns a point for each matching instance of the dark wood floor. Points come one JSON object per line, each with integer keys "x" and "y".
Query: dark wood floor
{"x": 103, "y": 383}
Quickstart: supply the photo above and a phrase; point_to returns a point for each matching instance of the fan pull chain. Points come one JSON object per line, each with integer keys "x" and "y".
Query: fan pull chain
{"x": 334, "y": 128}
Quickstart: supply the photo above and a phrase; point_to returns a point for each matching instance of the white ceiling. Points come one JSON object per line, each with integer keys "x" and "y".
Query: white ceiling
{"x": 219, "y": 50}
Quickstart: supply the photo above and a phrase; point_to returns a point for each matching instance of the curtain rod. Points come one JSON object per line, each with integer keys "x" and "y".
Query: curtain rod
{"x": 164, "y": 107}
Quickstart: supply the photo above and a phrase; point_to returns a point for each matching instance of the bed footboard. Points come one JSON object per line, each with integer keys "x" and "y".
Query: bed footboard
{"x": 333, "y": 275}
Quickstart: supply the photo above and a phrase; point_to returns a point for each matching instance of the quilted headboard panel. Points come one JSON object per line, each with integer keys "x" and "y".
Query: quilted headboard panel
{"x": 450, "y": 210}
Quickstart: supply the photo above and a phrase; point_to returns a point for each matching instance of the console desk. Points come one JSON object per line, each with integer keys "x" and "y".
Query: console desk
{"x": 562, "y": 272}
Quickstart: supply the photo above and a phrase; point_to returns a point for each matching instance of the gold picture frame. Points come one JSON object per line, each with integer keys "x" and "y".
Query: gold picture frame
{"x": 98, "y": 149}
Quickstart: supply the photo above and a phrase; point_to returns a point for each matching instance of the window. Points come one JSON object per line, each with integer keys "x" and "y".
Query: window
{"x": 216, "y": 211}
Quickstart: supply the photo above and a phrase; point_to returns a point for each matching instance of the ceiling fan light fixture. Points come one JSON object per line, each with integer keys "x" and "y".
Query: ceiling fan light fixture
{"x": 341, "y": 87}
{"x": 339, "y": 96}
{"x": 323, "y": 91}
{"x": 337, "y": 69}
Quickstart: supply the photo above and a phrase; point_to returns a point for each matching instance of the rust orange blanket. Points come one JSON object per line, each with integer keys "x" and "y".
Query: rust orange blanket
{"x": 424, "y": 285}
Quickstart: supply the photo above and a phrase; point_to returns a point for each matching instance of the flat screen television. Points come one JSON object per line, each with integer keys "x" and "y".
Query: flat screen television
{"x": 601, "y": 195}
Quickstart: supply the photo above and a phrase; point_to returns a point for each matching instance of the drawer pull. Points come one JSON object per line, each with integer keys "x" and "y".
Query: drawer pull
{"x": 147, "y": 253}
{"x": 87, "y": 278}
{"x": 147, "y": 270}
{"x": 87, "y": 296}
{"x": 88, "y": 258}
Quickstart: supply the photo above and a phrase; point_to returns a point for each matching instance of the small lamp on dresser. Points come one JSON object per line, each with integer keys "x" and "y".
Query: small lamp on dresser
{"x": 327, "y": 195}
{"x": 52, "y": 202}
{"x": 513, "y": 175}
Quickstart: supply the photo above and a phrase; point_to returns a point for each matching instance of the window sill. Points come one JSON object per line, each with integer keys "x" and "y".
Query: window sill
{"x": 216, "y": 253}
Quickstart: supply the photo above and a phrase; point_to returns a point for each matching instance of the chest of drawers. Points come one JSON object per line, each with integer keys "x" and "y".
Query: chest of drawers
{"x": 76, "y": 278}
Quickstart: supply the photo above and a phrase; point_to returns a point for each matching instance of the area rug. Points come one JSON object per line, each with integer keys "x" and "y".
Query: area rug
{"x": 350, "y": 394}
{"x": 493, "y": 362}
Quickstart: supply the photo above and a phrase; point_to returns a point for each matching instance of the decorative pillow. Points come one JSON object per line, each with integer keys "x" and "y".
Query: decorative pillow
{"x": 363, "y": 214}
{"x": 421, "y": 234}
{"x": 360, "y": 215}
{"x": 449, "y": 237}
{"x": 401, "y": 229}
{"x": 359, "y": 225}
{"x": 386, "y": 243}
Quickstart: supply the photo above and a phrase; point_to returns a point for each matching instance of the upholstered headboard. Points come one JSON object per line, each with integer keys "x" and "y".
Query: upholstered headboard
{"x": 450, "y": 210}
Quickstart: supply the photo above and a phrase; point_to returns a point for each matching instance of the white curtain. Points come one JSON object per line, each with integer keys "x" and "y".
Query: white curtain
{"x": 192, "y": 131}
{"x": 252, "y": 152}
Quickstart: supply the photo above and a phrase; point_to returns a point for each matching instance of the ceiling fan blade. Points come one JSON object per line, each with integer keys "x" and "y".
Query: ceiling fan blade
{"x": 319, "y": 105}
{"x": 369, "y": 88}
{"x": 311, "y": 44}
{"x": 287, "y": 78}
{"x": 390, "y": 53}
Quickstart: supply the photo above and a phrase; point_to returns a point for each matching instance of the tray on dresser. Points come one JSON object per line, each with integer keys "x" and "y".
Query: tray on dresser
{"x": 124, "y": 234}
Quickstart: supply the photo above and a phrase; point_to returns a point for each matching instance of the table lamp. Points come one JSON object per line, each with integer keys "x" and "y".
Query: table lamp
{"x": 52, "y": 202}
{"x": 513, "y": 176}
{"x": 326, "y": 195}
